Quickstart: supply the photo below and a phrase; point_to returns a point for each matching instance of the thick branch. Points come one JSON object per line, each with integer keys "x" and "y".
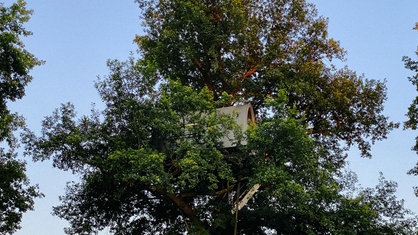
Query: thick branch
{"x": 206, "y": 74}
{"x": 183, "y": 206}
{"x": 225, "y": 190}
{"x": 250, "y": 72}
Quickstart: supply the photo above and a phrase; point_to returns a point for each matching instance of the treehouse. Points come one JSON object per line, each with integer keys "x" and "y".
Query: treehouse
{"x": 243, "y": 116}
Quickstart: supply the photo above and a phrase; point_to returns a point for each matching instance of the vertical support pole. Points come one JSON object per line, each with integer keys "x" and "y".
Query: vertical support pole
{"x": 236, "y": 209}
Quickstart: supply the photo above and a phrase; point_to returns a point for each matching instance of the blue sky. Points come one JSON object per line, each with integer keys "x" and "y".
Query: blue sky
{"x": 76, "y": 37}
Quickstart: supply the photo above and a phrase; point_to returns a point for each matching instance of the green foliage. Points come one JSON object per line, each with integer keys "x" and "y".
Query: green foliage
{"x": 393, "y": 218}
{"x": 15, "y": 61}
{"x": 412, "y": 111}
{"x": 413, "y": 108}
{"x": 153, "y": 163}
{"x": 16, "y": 195}
{"x": 253, "y": 49}
{"x": 160, "y": 149}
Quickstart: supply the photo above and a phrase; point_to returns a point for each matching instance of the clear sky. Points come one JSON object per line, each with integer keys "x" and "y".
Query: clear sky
{"x": 76, "y": 37}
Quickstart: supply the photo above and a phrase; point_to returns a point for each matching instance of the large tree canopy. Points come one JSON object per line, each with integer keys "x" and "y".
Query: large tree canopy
{"x": 153, "y": 161}
{"x": 252, "y": 49}
{"x": 16, "y": 195}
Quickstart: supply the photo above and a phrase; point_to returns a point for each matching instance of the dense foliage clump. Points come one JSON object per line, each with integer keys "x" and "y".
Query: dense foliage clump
{"x": 16, "y": 194}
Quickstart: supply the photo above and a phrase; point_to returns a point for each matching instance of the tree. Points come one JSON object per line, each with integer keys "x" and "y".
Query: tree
{"x": 146, "y": 170}
{"x": 16, "y": 194}
{"x": 152, "y": 162}
{"x": 392, "y": 216}
{"x": 412, "y": 113}
{"x": 252, "y": 49}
